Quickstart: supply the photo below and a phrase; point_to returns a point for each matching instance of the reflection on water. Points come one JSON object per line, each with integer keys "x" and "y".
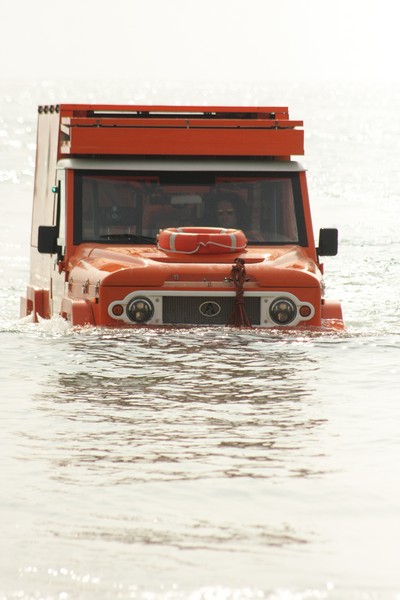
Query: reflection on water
{"x": 156, "y": 407}
{"x": 198, "y": 456}
{"x": 169, "y": 444}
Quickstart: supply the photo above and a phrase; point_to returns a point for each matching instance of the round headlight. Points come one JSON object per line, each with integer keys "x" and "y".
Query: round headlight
{"x": 282, "y": 311}
{"x": 140, "y": 310}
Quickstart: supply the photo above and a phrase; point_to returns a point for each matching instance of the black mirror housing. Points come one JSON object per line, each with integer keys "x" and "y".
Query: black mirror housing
{"x": 47, "y": 239}
{"x": 328, "y": 242}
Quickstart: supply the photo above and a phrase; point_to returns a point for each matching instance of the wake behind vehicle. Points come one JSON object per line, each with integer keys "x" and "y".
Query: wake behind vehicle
{"x": 174, "y": 216}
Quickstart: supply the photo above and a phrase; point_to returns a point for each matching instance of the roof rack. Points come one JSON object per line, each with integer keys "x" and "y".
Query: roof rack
{"x": 176, "y": 130}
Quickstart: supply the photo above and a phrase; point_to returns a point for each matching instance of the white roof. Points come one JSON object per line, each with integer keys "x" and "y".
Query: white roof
{"x": 176, "y": 164}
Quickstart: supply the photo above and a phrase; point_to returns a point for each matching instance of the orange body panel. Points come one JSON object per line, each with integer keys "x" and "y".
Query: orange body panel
{"x": 36, "y": 303}
{"x": 177, "y": 141}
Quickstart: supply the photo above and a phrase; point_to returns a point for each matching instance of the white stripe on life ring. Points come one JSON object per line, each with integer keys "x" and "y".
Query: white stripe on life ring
{"x": 172, "y": 241}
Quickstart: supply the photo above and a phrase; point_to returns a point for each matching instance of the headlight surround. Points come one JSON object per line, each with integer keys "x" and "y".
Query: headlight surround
{"x": 282, "y": 311}
{"x": 140, "y": 310}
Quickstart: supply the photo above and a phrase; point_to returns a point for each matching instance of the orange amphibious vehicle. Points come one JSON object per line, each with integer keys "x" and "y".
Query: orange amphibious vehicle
{"x": 174, "y": 216}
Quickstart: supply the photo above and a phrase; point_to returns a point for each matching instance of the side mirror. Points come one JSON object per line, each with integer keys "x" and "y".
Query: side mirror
{"x": 328, "y": 242}
{"x": 47, "y": 239}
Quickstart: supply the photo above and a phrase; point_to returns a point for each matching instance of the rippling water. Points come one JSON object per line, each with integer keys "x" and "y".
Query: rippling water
{"x": 210, "y": 463}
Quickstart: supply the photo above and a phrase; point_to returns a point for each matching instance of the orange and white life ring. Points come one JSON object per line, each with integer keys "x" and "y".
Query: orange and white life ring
{"x": 201, "y": 240}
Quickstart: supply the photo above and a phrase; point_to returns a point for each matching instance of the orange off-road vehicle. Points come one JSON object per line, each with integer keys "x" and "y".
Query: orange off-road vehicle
{"x": 174, "y": 216}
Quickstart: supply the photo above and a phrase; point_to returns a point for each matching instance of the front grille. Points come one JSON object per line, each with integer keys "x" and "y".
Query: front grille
{"x": 200, "y": 310}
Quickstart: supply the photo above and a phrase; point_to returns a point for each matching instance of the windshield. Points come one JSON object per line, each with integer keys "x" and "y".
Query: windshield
{"x": 132, "y": 208}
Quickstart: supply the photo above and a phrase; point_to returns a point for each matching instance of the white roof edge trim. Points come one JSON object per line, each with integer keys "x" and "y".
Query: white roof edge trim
{"x": 168, "y": 164}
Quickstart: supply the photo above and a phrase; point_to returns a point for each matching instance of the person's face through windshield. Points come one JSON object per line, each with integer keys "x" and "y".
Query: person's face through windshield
{"x": 226, "y": 214}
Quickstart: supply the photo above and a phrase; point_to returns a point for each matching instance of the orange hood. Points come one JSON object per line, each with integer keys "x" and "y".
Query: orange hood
{"x": 146, "y": 266}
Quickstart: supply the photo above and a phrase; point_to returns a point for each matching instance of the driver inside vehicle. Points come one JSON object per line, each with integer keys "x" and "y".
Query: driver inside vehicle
{"x": 227, "y": 211}
{"x": 226, "y": 214}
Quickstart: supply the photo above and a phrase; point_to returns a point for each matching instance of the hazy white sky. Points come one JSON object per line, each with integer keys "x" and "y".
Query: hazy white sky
{"x": 203, "y": 40}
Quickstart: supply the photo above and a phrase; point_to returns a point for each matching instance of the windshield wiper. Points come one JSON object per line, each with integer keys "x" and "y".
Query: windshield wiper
{"x": 137, "y": 239}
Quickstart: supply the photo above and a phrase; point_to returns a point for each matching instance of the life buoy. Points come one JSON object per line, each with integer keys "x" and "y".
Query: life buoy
{"x": 201, "y": 240}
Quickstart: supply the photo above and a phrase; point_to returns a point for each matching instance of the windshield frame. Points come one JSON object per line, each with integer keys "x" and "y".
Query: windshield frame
{"x": 191, "y": 178}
